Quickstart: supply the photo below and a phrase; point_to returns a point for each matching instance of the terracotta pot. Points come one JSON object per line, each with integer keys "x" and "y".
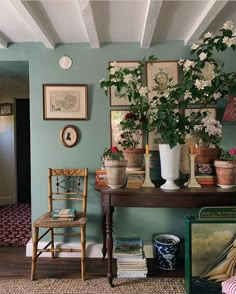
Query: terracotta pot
{"x": 225, "y": 172}
{"x": 116, "y": 173}
{"x": 135, "y": 158}
{"x": 206, "y": 155}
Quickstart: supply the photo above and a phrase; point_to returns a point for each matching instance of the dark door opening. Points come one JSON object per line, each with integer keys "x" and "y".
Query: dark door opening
{"x": 23, "y": 151}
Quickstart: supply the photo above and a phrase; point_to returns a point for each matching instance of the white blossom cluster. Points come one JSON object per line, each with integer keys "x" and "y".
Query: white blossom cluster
{"x": 209, "y": 126}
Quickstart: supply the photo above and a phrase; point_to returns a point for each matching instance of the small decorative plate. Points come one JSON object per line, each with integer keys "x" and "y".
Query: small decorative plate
{"x": 65, "y": 62}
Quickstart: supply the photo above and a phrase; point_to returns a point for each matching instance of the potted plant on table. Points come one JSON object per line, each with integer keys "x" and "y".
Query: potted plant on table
{"x": 128, "y": 83}
{"x": 226, "y": 169}
{"x": 115, "y": 166}
{"x": 204, "y": 82}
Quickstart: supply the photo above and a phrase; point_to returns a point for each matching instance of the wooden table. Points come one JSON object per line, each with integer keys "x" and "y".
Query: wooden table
{"x": 155, "y": 197}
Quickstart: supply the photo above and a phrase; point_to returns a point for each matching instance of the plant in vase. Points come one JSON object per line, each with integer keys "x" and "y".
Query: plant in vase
{"x": 115, "y": 166}
{"x": 128, "y": 83}
{"x": 226, "y": 169}
{"x": 204, "y": 81}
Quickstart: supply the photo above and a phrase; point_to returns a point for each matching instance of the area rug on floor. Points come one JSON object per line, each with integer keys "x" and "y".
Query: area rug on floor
{"x": 94, "y": 286}
{"x": 15, "y": 228}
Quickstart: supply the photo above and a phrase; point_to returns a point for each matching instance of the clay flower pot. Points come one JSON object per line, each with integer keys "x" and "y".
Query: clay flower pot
{"x": 116, "y": 173}
{"x": 226, "y": 173}
{"x": 135, "y": 158}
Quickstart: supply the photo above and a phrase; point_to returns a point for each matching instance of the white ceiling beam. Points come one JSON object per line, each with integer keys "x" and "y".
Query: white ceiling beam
{"x": 3, "y": 41}
{"x": 152, "y": 14}
{"x": 207, "y": 16}
{"x": 89, "y": 22}
{"x": 34, "y": 21}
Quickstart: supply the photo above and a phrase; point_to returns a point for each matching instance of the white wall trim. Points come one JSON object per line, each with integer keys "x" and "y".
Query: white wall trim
{"x": 93, "y": 250}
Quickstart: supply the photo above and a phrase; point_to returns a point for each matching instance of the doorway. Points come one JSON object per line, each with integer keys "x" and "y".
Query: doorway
{"x": 23, "y": 178}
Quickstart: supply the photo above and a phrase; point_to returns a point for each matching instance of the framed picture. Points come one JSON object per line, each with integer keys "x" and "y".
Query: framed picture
{"x": 5, "y": 109}
{"x": 159, "y": 75}
{"x": 115, "y": 100}
{"x": 116, "y": 117}
{"x": 209, "y": 243}
{"x": 65, "y": 102}
{"x": 69, "y": 136}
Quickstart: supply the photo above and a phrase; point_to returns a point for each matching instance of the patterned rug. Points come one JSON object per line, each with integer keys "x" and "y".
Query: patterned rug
{"x": 94, "y": 286}
{"x": 15, "y": 225}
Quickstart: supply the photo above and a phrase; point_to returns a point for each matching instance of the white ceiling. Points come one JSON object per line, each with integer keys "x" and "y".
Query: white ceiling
{"x": 146, "y": 22}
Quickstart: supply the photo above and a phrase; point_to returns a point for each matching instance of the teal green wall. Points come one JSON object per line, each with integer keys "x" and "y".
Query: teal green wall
{"x": 89, "y": 66}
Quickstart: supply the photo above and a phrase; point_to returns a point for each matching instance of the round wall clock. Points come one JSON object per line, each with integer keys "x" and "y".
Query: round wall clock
{"x": 65, "y": 62}
{"x": 69, "y": 136}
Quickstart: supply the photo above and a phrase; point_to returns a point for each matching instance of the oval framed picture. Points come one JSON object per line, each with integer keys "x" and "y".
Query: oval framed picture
{"x": 69, "y": 136}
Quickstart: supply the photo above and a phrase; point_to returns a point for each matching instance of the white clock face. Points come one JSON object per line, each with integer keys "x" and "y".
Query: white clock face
{"x": 65, "y": 62}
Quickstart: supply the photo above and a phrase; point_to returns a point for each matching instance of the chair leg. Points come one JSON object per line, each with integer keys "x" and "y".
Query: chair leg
{"x": 83, "y": 250}
{"x": 34, "y": 253}
{"x": 52, "y": 245}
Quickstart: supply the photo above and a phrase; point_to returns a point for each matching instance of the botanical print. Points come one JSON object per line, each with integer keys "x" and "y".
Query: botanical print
{"x": 64, "y": 101}
{"x": 160, "y": 75}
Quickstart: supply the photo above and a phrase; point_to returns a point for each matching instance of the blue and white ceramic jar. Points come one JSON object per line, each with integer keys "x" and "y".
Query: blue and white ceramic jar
{"x": 166, "y": 251}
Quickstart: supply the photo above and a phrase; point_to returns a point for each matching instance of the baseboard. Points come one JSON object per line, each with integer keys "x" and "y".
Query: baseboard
{"x": 93, "y": 250}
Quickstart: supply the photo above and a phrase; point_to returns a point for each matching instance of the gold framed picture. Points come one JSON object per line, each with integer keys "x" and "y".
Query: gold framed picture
{"x": 65, "y": 102}
{"x": 69, "y": 136}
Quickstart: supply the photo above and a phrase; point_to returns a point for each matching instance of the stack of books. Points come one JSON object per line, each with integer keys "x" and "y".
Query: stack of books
{"x": 134, "y": 178}
{"x": 63, "y": 214}
{"x": 206, "y": 179}
{"x": 131, "y": 262}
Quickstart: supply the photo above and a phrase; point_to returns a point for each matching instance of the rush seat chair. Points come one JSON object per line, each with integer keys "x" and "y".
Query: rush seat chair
{"x": 67, "y": 188}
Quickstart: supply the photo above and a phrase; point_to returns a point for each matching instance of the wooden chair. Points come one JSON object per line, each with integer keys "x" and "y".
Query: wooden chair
{"x": 65, "y": 186}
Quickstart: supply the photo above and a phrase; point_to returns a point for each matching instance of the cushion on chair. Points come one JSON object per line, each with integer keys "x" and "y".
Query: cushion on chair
{"x": 229, "y": 286}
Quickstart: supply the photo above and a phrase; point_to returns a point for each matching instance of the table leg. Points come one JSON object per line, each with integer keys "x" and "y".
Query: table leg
{"x": 104, "y": 248}
{"x": 109, "y": 243}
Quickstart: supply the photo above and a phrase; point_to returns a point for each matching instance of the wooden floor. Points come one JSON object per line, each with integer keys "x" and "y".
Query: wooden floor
{"x": 15, "y": 265}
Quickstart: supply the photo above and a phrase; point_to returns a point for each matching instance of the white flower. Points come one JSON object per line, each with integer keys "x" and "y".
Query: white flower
{"x": 143, "y": 91}
{"x": 194, "y": 46}
{"x": 100, "y": 81}
{"x": 188, "y": 64}
{"x": 228, "y": 25}
{"x": 113, "y": 70}
{"x": 187, "y": 94}
{"x": 208, "y": 35}
{"x": 216, "y": 40}
{"x": 128, "y": 78}
{"x": 181, "y": 61}
{"x": 199, "y": 85}
{"x": 229, "y": 41}
{"x": 217, "y": 95}
{"x": 114, "y": 64}
{"x": 202, "y": 56}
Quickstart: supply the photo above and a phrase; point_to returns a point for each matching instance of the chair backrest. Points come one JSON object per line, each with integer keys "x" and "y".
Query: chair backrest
{"x": 68, "y": 185}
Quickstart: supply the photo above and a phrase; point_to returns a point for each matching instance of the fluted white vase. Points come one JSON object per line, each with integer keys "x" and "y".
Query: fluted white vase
{"x": 170, "y": 162}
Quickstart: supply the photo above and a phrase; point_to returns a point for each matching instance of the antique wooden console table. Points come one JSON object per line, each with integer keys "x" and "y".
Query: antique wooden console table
{"x": 155, "y": 197}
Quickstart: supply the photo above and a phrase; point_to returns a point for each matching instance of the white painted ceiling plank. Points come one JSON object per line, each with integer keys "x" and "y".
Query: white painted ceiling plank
{"x": 207, "y": 16}
{"x": 33, "y": 21}
{"x": 89, "y": 22}
{"x": 3, "y": 41}
{"x": 152, "y": 14}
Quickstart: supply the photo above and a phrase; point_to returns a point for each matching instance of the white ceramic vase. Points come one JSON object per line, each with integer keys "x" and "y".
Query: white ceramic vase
{"x": 170, "y": 162}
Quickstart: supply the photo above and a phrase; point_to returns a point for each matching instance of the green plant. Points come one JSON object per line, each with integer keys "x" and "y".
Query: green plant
{"x": 229, "y": 154}
{"x": 128, "y": 83}
{"x": 204, "y": 82}
{"x": 113, "y": 153}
